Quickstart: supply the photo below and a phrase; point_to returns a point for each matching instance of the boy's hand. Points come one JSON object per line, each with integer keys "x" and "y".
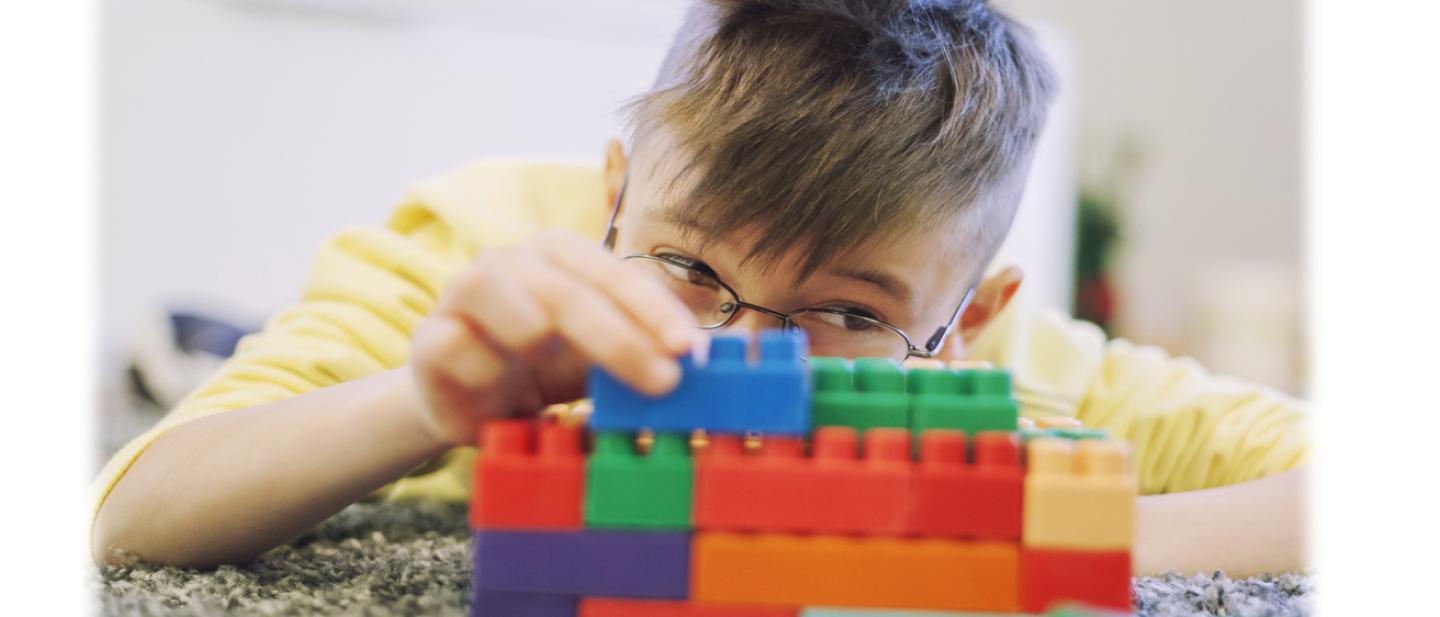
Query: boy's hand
{"x": 516, "y": 330}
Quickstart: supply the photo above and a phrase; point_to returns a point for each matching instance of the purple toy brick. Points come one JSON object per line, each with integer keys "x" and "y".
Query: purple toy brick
{"x": 725, "y": 395}
{"x": 584, "y": 563}
{"x": 506, "y": 604}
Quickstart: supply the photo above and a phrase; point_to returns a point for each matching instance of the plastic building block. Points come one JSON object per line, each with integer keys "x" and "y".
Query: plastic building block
{"x": 1078, "y": 495}
{"x": 825, "y": 611}
{"x": 584, "y": 563}
{"x": 951, "y": 498}
{"x": 1057, "y": 422}
{"x": 1078, "y": 433}
{"x": 508, "y": 604}
{"x": 522, "y": 482}
{"x": 614, "y": 607}
{"x": 628, "y": 490}
{"x": 833, "y": 491}
{"x": 855, "y": 572}
{"x": 1027, "y": 434}
{"x": 1049, "y": 577}
{"x": 869, "y": 395}
{"x": 971, "y": 401}
{"x": 727, "y": 394}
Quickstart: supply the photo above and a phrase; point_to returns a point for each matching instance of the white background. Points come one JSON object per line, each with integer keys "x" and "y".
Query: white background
{"x": 1371, "y": 250}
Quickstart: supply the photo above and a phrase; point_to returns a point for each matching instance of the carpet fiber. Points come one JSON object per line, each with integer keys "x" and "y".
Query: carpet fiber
{"x": 414, "y": 559}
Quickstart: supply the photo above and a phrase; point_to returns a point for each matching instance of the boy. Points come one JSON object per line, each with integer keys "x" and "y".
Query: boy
{"x": 846, "y": 167}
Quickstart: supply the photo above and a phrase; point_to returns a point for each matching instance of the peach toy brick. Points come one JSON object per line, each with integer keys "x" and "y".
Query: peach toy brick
{"x": 527, "y": 478}
{"x": 1049, "y": 422}
{"x": 1053, "y": 576}
{"x": 617, "y": 607}
{"x": 1078, "y": 495}
{"x": 856, "y": 572}
{"x": 950, "y": 498}
{"x": 832, "y": 491}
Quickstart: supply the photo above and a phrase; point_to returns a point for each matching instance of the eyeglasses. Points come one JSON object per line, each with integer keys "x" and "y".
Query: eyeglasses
{"x": 831, "y": 331}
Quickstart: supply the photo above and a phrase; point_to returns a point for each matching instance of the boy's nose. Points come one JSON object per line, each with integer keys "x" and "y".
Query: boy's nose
{"x": 750, "y": 322}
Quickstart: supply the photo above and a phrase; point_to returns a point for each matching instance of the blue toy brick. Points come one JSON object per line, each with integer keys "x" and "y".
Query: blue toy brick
{"x": 727, "y": 394}
{"x": 507, "y": 604}
{"x": 584, "y": 563}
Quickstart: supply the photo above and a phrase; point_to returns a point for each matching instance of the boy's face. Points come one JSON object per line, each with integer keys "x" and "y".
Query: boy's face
{"x": 914, "y": 284}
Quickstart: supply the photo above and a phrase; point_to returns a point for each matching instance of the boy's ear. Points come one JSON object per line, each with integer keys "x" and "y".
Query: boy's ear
{"x": 615, "y": 165}
{"x": 992, "y": 295}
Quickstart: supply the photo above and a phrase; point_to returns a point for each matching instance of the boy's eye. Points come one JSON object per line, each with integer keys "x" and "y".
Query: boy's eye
{"x": 849, "y": 318}
{"x": 688, "y": 270}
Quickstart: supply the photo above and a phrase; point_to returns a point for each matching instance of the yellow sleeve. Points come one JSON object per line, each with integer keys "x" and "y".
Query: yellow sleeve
{"x": 368, "y": 288}
{"x": 1189, "y": 429}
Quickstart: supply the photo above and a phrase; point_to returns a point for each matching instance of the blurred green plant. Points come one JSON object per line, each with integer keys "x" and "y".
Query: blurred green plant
{"x": 1098, "y": 231}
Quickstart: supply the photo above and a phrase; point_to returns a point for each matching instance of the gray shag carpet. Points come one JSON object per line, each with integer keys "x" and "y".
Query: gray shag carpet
{"x": 414, "y": 559}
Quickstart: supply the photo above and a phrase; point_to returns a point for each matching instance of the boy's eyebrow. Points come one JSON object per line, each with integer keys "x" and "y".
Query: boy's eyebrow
{"x": 887, "y": 282}
{"x": 884, "y": 280}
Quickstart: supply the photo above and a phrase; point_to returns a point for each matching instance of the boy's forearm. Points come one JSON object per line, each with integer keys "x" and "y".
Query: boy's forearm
{"x": 1242, "y": 530}
{"x": 228, "y": 487}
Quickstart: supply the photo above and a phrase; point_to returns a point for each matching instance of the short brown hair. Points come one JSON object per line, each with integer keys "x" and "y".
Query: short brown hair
{"x": 836, "y": 122}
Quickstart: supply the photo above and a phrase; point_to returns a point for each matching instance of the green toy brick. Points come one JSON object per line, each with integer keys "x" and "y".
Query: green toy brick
{"x": 967, "y": 400}
{"x": 1077, "y": 434}
{"x": 624, "y": 490}
{"x": 869, "y": 395}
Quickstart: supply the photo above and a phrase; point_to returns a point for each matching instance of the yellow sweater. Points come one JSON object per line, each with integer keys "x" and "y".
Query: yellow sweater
{"x": 369, "y": 287}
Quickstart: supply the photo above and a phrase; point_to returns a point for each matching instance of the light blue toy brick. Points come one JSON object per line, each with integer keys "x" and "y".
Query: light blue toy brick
{"x": 727, "y": 394}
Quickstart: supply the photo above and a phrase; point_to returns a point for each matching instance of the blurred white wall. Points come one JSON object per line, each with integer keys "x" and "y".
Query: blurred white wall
{"x": 239, "y": 134}
{"x": 1212, "y": 92}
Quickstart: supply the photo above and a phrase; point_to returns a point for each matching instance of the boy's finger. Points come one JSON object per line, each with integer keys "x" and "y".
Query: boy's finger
{"x": 643, "y": 298}
{"x": 592, "y": 323}
{"x": 446, "y": 348}
{"x": 496, "y": 299}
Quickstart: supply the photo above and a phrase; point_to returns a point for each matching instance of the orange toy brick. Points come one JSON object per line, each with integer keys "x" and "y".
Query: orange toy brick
{"x": 1053, "y": 576}
{"x": 1078, "y": 495}
{"x": 951, "y": 498}
{"x": 614, "y": 607}
{"x": 858, "y": 572}
{"x": 528, "y": 479}
{"x": 832, "y": 491}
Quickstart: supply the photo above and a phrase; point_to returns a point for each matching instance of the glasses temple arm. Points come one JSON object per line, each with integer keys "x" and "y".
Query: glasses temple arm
{"x": 938, "y": 338}
{"x": 609, "y": 241}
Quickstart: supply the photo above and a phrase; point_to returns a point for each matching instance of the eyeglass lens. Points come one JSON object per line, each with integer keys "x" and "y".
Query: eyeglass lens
{"x": 829, "y": 333}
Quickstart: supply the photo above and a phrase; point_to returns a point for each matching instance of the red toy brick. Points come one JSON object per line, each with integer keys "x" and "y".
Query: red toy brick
{"x": 832, "y": 491}
{"x": 528, "y": 481}
{"x": 612, "y": 607}
{"x": 951, "y": 498}
{"x": 1052, "y": 576}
